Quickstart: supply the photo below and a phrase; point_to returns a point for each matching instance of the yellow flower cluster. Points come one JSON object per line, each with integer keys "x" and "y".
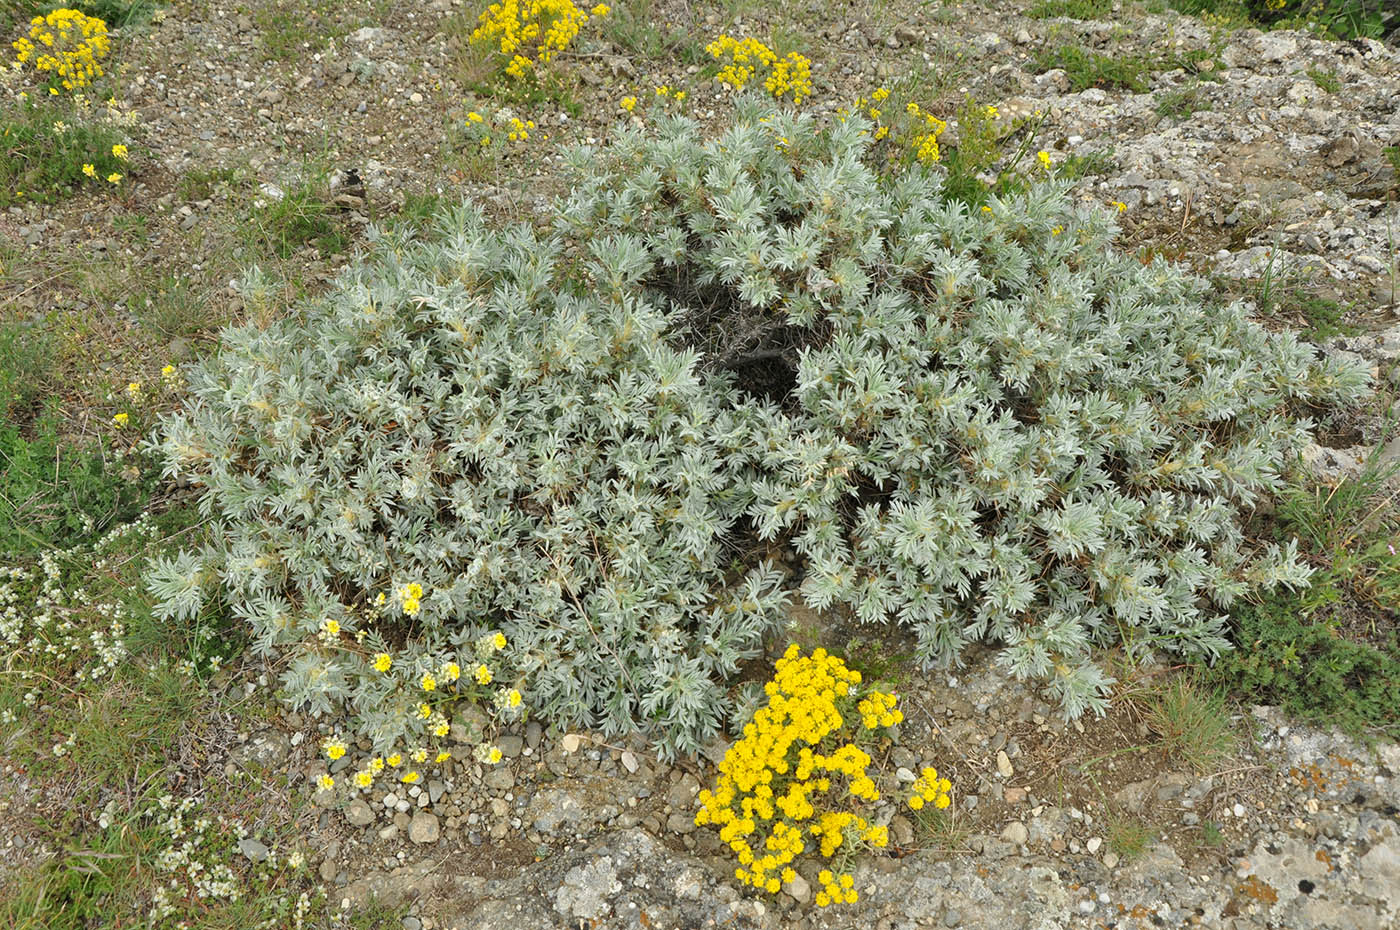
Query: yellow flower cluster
{"x": 744, "y": 59}
{"x": 915, "y": 129}
{"x": 520, "y": 129}
{"x": 924, "y": 139}
{"x": 778, "y": 786}
{"x": 878, "y": 710}
{"x": 836, "y": 889}
{"x": 928, "y": 788}
{"x": 66, "y": 45}
{"x": 791, "y": 75}
{"x": 411, "y": 595}
{"x": 531, "y": 32}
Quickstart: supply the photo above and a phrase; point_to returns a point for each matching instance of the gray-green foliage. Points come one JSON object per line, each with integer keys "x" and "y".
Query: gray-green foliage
{"x": 979, "y": 424}
{"x": 999, "y": 427}
{"x": 507, "y": 428}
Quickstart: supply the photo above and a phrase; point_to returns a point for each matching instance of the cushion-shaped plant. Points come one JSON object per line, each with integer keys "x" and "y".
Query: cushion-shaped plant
{"x": 512, "y": 434}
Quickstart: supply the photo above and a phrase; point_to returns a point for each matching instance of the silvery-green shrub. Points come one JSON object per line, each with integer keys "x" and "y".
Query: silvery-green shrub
{"x": 508, "y": 428}
{"x": 987, "y": 424}
{"x": 976, "y": 424}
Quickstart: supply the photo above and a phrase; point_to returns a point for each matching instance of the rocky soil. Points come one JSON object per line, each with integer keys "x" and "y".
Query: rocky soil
{"x": 1081, "y": 825}
{"x": 1232, "y": 158}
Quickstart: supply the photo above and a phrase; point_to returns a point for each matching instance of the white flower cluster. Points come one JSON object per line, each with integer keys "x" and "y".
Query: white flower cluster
{"x": 50, "y": 609}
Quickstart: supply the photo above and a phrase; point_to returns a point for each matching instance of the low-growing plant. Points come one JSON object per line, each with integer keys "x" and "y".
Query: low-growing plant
{"x": 1325, "y": 79}
{"x": 1087, "y": 69}
{"x": 1088, "y": 164}
{"x": 794, "y": 782}
{"x": 981, "y": 424}
{"x": 637, "y": 27}
{"x": 1180, "y": 104}
{"x": 1129, "y": 837}
{"x": 747, "y": 59}
{"x": 1191, "y": 723}
{"x": 1340, "y": 19}
{"x": 301, "y": 217}
{"x": 53, "y": 494}
{"x": 1072, "y": 9}
{"x": 1330, "y": 653}
{"x": 64, "y": 48}
{"x": 54, "y": 146}
{"x": 524, "y": 35}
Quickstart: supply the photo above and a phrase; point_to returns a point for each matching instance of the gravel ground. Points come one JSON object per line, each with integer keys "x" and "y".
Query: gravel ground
{"x": 1256, "y": 170}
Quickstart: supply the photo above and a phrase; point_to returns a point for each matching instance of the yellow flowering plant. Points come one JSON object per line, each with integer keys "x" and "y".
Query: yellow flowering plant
{"x": 794, "y": 783}
{"x": 525, "y": 34}
{"x": 424, "y": 690}
{"x": 59, "y": 143}
{"x": 65, "y": 47}
{"x": 747, "y": 60}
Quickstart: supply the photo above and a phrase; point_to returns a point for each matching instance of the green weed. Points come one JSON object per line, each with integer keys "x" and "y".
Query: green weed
{"x": 634, "y": 26}
{"x": 1329, "y": 652}
{"x": 1129, "y": 837}
{"x": 51, "y": 493}
{"x": 116, "y": 14}
{"x": 173, "y": 307}
{"x": 1087, "y": 69}
{"x": 204, "y": 183}
{"x": 1337, "y": 19}
{"x": 1192, "y": 724}
{"x": 1180, "y": 104}
{"x": 1326, "y": 80}
{"x": 46, "y": 143}
{"x": 303, "y": 217}
{"x": 1071, "y": 9}
{"x": 1087, "y": 165}
{"x": 290, "y": 31}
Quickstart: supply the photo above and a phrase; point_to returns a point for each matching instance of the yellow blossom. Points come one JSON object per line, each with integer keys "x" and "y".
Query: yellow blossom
{"x": 483, "y": 675}
{"x": 89, "y": 170}
{"x": 409, "y": 778}
{"x": 394, "y": 761}
{"x": 428, "y": 683}
{"x": 330, "y": 626}
{"x": 120, "y": 420}
{"x": 334, "y": 748}
{"x": 119, "y": 152}
{"x": 364, "y": 778}
{"x": 382, "y": 661}
{"x": 114, "y": 178}
{"x": 326, "y": 782}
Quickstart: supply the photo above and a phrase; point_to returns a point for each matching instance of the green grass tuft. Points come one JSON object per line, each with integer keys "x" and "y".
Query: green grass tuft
{"x": 1087, "y": 69}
